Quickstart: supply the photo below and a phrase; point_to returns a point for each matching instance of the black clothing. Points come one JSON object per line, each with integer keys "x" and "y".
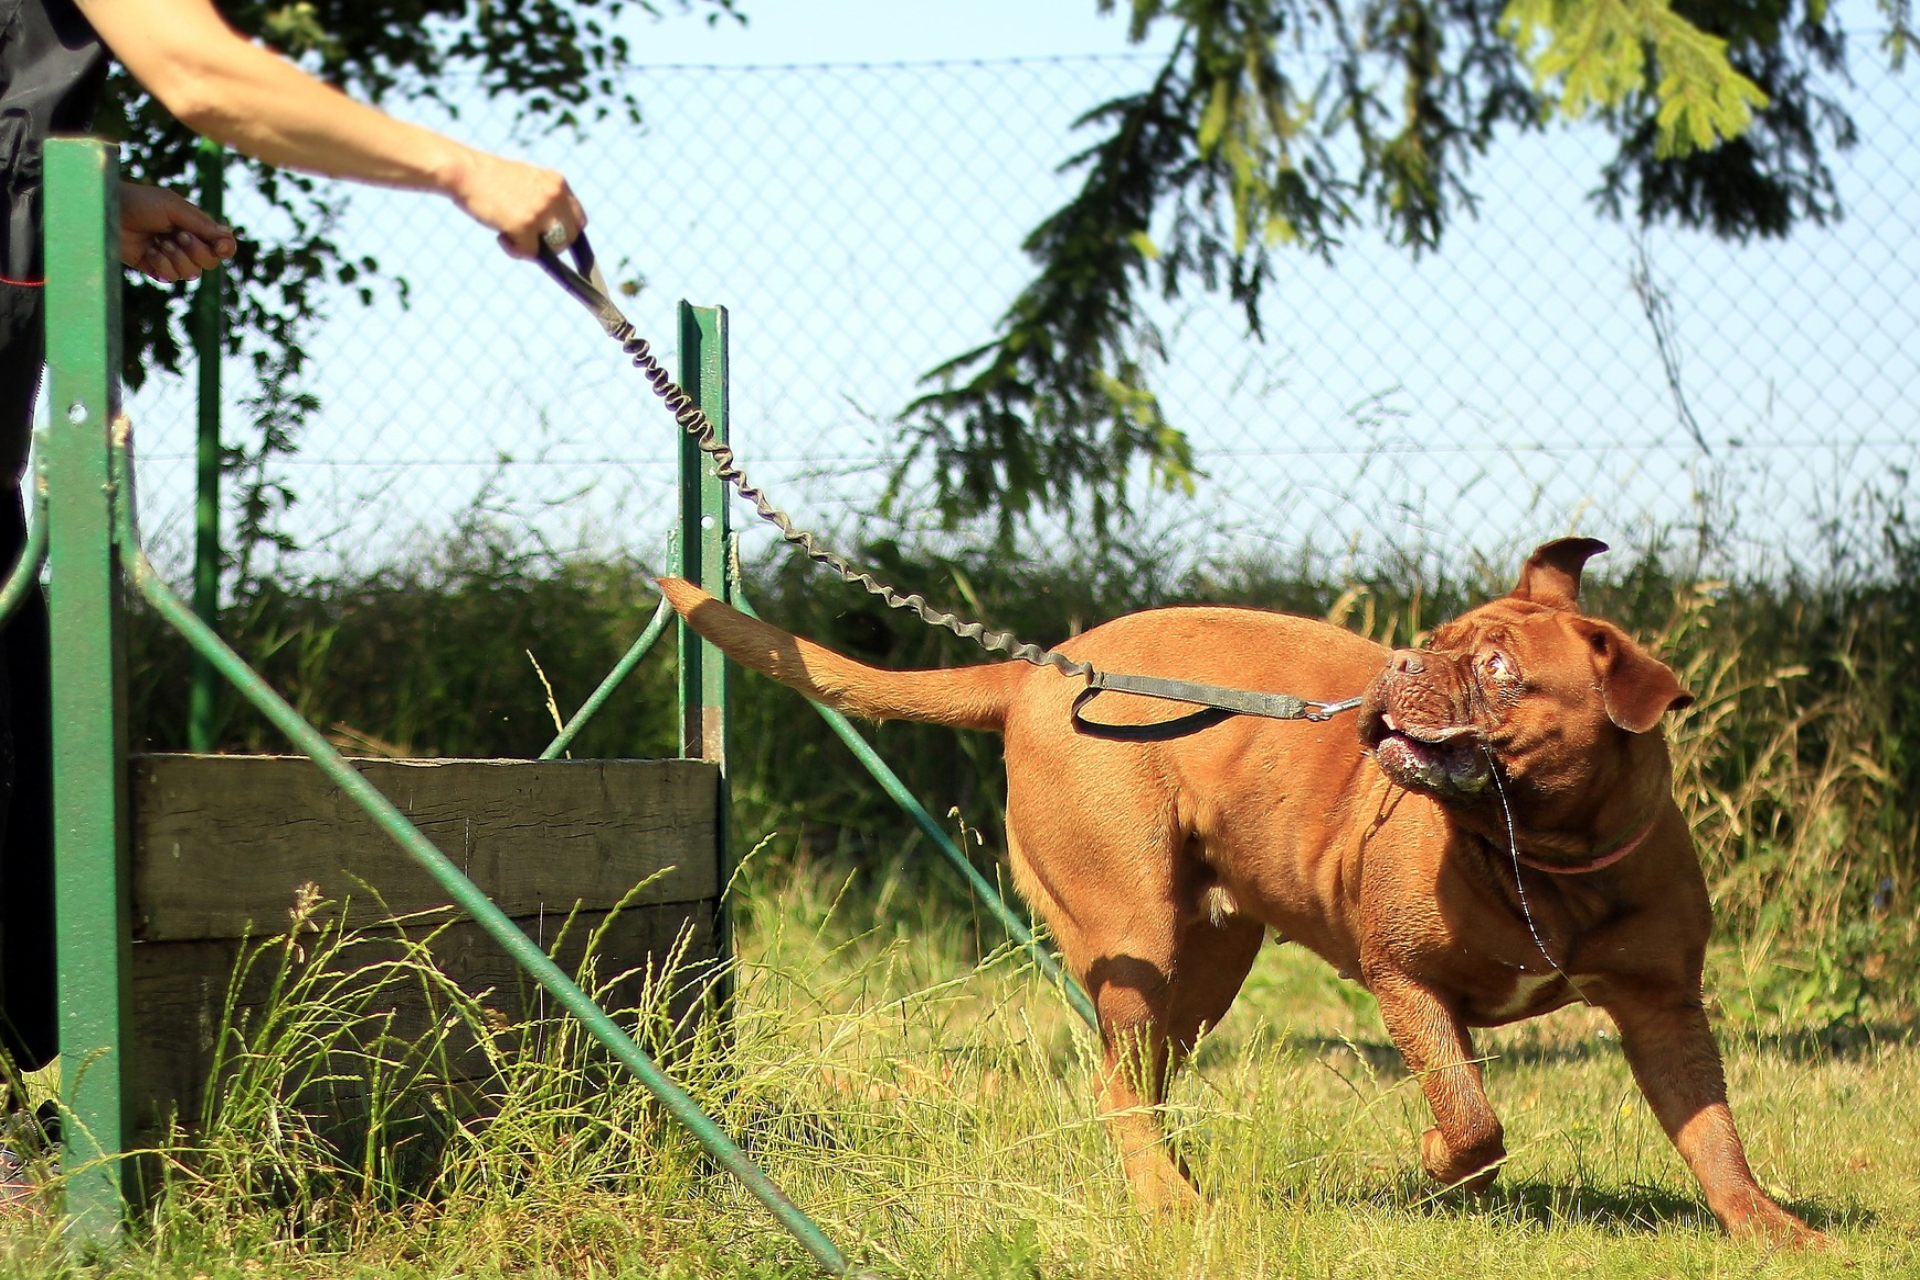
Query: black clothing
{"x": 29, "y": 1008}
{"x": 51, "y": 68}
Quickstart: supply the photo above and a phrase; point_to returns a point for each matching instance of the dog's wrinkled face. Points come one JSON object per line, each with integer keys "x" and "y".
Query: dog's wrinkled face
{"x": 1425, "y": 719}
{"x": 1520, "y": 679}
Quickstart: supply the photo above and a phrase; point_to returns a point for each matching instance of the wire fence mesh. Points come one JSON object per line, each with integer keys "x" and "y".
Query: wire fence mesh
{"x": 1545, "y": 371}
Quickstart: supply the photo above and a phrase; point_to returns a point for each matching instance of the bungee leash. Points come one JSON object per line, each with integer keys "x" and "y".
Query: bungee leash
{"x": 585, "y": 283}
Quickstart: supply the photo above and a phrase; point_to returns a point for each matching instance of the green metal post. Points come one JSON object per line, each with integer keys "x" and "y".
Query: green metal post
{"x": 88, "y": 675}
{"x": 705, "y": 547}
{"x": 704, "y": 541}
{"x": 209, "y": 340}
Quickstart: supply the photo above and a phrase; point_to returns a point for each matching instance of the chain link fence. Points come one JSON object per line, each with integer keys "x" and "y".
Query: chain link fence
{"x": 1545, "y": 371}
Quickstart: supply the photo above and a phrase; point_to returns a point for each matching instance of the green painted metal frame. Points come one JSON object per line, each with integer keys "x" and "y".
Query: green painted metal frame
{"x": 89, "y": 680}
{"x": 209, "y": 341}
{"x": 92, "y": 535}
{"x": 983, "y": 889}
{"x": 527, "y": 953}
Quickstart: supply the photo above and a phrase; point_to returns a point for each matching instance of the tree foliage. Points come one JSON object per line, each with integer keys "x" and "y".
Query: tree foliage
{"x": 1271, "y": 126}
{"x": 1291, "y": 124}
{"x": 557, "y": 60}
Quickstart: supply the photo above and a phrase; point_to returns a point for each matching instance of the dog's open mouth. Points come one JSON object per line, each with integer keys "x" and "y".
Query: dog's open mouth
{"x": 1442, "y": 760}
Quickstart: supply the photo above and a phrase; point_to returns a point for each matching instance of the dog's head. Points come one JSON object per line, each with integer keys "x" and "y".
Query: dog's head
{"x": 1527, "y": 680}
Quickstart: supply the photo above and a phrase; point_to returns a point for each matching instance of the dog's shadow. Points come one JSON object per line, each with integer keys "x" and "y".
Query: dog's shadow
{"x": 1632, "y": 1209}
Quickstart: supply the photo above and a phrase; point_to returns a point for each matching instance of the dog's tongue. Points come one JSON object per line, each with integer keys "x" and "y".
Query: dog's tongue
{"x": 1444, "y": 768}
{"x": 1427, "y": 734}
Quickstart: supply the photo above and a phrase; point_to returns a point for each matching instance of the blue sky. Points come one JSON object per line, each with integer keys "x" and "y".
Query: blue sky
{"x": 863, "y": 226}
{"x": 889, "y": 31}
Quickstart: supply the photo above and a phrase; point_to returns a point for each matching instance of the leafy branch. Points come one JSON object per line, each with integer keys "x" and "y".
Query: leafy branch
{"x": 1288, "y": 123}
{"x": 558, "y": 60}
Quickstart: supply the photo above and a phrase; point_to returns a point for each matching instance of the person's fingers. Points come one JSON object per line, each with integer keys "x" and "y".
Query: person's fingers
{"x": 155, "y": 266}
{"x": 185, "y": 216}
{"x": 179, "y": 258}
{"x": 168, "y": 238}
{"x": 203, "y": 255}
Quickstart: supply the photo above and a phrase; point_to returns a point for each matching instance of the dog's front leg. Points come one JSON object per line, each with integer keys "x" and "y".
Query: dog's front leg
{"x": 1465, "y": 1146}
{"x": 1673, "y": 1055}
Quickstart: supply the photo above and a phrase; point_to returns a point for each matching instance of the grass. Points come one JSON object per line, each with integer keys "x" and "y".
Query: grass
{"x": 936, "y": 1116}
{"x": 923, "y": 1093}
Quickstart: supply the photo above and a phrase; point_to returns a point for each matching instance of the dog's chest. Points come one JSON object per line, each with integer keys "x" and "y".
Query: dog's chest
{"x": 1526, "y": 995}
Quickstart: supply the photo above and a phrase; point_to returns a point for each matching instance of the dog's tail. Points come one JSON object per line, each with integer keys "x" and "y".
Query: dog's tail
{"x": 962, "y": 697}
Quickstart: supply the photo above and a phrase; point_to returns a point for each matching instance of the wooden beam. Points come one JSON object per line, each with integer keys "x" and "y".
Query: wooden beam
{"x": 223, "y": 842}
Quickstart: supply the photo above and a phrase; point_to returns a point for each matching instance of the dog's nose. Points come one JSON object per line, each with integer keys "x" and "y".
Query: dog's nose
{"x": 1409, "y": 663}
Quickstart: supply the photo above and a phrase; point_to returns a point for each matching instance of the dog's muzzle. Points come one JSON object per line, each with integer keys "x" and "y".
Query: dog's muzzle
{"x": 1417, "y": 720}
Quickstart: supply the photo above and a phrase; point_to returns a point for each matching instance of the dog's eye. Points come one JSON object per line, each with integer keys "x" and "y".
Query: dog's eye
{"x": 1497, "y": 666}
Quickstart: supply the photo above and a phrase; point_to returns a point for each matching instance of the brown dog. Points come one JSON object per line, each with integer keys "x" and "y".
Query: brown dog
{"x": 1500, "y": 839}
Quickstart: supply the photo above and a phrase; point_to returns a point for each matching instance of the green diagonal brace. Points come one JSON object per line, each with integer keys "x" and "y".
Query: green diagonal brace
{"x": 615, "y": 678}
{"x": 983, "y": 889}
{"x": 33, "y": 557}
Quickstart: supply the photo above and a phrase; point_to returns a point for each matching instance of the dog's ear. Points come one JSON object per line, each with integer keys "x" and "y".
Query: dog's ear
{"x": 1551, "y": 575}
{"x": 1638, "y": 687}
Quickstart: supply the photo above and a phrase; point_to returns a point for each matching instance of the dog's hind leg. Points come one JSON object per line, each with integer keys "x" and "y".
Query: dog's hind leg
{"x": 1134, "y": 994}
{"x": 1121, "y": 948}
{"x": 1155, "y": 993}
{"x": 1094, "y": 844}
{"x": 1209, "y": 966}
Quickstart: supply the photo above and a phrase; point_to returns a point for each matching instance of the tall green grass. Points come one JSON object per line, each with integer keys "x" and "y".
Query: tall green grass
{"x": 1799, "y": 764}
{"x": 936, "y": 1116}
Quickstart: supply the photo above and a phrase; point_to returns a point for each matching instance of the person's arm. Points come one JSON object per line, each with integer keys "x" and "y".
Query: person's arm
{"x": 253, "y": 100}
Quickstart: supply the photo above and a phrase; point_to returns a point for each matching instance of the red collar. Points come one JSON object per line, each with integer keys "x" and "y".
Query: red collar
{"x": 1604, "y": 857}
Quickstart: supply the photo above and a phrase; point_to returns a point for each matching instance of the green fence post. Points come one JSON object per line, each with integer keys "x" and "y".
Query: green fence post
{"x": 88, "y": 674}
{"x": 209, "y": 340}
{"x": 703, "y": 533}
{"x": 705, "y": 545}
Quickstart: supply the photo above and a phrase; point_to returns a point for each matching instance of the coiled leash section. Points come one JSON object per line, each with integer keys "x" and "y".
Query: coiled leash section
{"x": 584, "y": 281}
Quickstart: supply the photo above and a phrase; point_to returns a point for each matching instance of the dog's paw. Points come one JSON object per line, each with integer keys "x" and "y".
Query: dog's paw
{"x": 1472, "y": 1169}
{"x": 1160, "y": 1191}
{"x": 1769, "y": 1222}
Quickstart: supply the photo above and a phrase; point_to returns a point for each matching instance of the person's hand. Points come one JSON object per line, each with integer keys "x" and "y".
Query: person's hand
{"x": 522, "y": 202}
{"x": 165, "y": 237}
